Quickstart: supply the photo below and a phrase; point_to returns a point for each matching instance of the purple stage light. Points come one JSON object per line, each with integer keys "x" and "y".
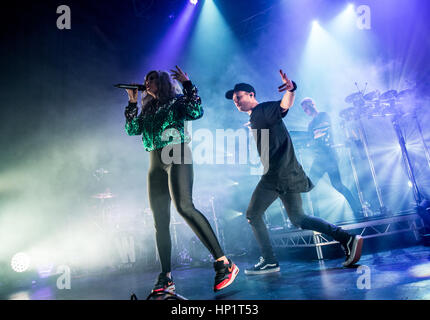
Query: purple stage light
{"x": 169, "y": 49}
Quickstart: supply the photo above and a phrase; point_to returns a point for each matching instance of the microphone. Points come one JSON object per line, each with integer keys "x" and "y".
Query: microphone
{"x": 139, "y": 87}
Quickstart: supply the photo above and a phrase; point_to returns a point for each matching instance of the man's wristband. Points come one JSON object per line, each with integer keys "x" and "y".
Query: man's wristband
{"x": 294, "y": 88}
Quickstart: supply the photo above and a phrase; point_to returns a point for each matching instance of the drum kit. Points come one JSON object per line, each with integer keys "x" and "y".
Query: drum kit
{"x": 105, "y": 213}
{"x": 104, "y": 208}
{"x": 117, "y": 224}
{"x": 391, "y": 104}
{"x": 375, "y": 104}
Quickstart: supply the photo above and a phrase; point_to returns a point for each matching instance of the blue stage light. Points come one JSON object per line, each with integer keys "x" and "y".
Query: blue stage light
{"x": 194, "y": 2}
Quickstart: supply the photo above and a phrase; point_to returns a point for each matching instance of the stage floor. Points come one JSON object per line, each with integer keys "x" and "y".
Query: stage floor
{"x": 400, "y": 274}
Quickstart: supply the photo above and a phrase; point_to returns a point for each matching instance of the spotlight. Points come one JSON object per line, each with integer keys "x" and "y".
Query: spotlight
{"x": 350, "y": 7}
{"x": 194, "y": 2}
{"x": 233, "y": 214}
{"x": 20, "y": 262}
{"x": 315, "y": 23}
{"x": 421, "y": 270}
{"x": 410, "y": 184}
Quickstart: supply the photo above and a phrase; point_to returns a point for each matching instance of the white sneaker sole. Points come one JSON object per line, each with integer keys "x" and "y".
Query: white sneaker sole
{"x": 355, "y": 256}
{"x": 170, "y": 289}
{"x": 251, "y": 272}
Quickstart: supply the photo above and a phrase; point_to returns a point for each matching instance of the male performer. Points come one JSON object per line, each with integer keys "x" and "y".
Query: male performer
{"x": 284, "y": 176}
{"x": 325, "y": 159}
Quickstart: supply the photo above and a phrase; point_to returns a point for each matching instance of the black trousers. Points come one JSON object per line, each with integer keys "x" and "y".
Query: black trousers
{"x": 263, "y": 197}
{"x": 174, "y": 181}
{"x": 328, "y": 163}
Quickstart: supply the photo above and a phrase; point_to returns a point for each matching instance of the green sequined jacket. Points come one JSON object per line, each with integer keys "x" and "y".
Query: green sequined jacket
{"x": 161, "y": 124}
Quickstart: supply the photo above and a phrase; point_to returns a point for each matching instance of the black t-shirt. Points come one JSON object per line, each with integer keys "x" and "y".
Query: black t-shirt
{"x": 282, "y": 170}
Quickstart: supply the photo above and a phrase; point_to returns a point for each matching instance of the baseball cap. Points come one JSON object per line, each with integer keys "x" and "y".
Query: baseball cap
{"x": 239, "y": 87}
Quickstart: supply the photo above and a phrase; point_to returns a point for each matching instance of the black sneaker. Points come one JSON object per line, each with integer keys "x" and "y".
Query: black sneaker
{"x": 352, "y": 250}
{"x": 263, "y": 267}
{"x": 164, "y": 283}
{"x": 225, "y": 274}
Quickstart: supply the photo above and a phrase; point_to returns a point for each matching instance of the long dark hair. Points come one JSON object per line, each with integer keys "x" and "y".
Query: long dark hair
{"x": 168, "y": 88}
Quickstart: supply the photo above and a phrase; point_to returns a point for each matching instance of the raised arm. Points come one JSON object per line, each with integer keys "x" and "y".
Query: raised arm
{"x": 190, "y": 105}
{"x": 289, "y": 87}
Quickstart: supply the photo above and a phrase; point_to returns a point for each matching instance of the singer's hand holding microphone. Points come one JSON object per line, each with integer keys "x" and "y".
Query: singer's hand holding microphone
{"x": 132, "y": 94}
{"x": 134, "y": 88}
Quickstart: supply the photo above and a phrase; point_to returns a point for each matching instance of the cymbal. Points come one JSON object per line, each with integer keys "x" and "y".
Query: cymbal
{"x": 101, "y": 170}
{"x": 353, "y": 97}
{"x": 106, "y": 195}
{"x": 371, "y": 95}
{"x": 387, "y": 95}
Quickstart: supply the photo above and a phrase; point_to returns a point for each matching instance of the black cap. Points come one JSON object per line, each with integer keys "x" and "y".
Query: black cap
{"x": 239, "y": 87}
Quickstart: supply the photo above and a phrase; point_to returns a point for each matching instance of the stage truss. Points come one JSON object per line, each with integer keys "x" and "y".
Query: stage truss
{"x": 368, "y": 229}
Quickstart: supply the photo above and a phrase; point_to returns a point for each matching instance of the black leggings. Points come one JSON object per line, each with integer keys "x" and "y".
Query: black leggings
{"x": 263, "y": 197}
{"x": 174, "y": 181}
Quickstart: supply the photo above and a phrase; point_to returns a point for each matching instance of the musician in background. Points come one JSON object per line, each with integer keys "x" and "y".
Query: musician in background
{"x": 325, "y": 158}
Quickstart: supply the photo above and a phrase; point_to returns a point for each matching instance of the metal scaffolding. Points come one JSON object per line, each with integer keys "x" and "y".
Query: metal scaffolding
{"x": 367, "y": 229}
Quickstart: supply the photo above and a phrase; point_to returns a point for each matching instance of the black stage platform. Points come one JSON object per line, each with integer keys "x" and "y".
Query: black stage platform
{"x": 399, "y": 274}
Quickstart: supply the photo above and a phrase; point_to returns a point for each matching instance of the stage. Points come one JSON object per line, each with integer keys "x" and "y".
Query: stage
{"x": 342, "y": 88}
{"x": 399, "y": 274}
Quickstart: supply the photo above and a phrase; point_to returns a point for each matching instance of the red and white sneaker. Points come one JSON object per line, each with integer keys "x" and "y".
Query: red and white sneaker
{"x": 164, "y": 283}
{"x": 225, "y": 274}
